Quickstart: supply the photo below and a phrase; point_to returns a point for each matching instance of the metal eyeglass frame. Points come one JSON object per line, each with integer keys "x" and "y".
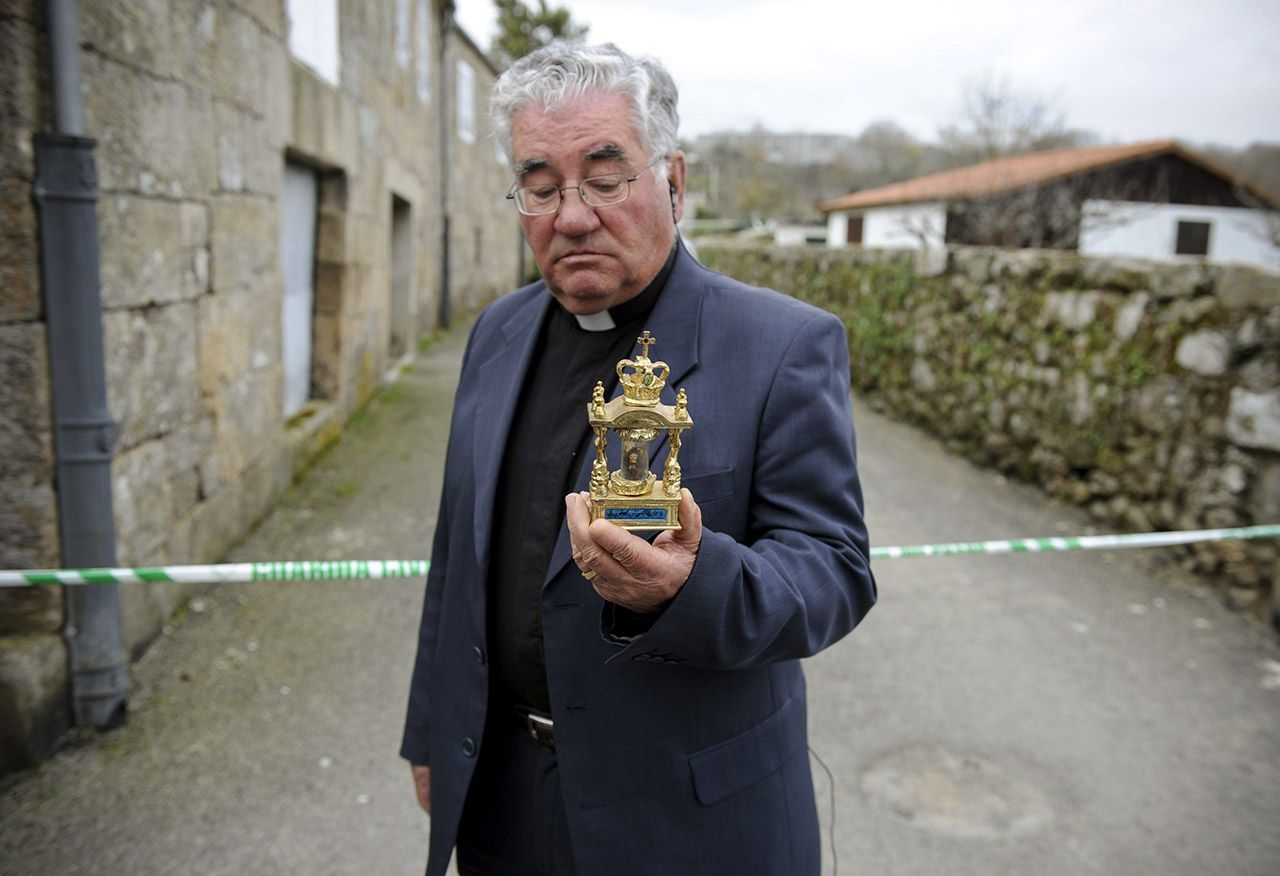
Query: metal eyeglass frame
{"x": 515, "y": 194}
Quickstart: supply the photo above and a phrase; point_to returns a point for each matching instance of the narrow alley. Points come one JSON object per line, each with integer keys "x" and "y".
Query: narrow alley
{"x": 1075, "y": 713}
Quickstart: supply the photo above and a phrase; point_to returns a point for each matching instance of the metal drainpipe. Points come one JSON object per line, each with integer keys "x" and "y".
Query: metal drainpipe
{"x": 84, "y": 435}
{"x": 447, "y": 100}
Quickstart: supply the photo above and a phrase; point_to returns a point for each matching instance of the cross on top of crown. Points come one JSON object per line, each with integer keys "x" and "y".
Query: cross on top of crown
{"x": 642, "y": 379}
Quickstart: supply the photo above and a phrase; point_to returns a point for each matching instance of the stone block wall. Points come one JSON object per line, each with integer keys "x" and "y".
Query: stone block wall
{"x": 196, "y": 105}
{"x": 1147, "y": 393}
{"x": 33, "y": 666}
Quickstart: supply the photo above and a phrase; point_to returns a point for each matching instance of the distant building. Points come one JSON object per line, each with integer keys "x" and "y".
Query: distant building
{"x": 1153, "y": 200}
{"x": 775, "y": 147}
{"x": 798, "y": 235}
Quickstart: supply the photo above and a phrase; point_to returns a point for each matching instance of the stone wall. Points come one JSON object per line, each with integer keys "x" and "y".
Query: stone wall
{"x": 33, "y": 666}
{"x": 196, "y": 105}
{"x": 1145, "y": 392}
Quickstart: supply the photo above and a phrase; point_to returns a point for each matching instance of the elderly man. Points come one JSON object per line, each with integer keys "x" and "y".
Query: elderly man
{"x": 584, "y": 700}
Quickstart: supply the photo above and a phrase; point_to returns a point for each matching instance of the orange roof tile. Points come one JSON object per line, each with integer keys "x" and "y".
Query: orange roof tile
{"x": 1016, "y": 171}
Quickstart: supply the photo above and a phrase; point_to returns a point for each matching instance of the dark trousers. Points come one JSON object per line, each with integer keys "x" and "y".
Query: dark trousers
{"x": 514, "y": 820}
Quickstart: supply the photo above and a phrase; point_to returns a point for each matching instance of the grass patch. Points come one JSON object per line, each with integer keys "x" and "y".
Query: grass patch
{"x": 426, "y": 341}
{"x": 391, "y": 393}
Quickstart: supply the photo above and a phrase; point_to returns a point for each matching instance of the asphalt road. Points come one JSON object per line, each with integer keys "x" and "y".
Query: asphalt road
{"x": 1051, "y": 714}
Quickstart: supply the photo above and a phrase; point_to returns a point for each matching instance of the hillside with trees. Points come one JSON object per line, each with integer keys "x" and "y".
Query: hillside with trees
{"x": 759, "y": 175}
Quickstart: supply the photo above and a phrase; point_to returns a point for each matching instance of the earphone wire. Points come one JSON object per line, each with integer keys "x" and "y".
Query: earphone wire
{"x": 831, "y": 826}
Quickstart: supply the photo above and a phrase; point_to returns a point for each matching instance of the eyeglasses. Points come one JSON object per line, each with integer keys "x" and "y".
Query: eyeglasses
{"x": 596, "y": 191}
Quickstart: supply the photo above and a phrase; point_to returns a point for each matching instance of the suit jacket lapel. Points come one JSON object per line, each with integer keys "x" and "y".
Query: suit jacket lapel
{"x": 675, "y": 318}
{"x": 501, "y": 377}
{"x": 674, "y": 322}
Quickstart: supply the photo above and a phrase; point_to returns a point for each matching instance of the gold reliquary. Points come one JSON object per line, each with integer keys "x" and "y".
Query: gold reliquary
{"x": 632, "y": 496}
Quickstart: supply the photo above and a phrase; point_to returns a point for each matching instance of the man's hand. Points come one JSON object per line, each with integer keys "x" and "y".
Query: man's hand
{"x": 422, "y": 785}
{"x": 627, "y": 570}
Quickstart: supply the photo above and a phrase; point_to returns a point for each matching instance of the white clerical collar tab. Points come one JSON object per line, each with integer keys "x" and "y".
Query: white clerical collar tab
{"x": 595, "y": 322}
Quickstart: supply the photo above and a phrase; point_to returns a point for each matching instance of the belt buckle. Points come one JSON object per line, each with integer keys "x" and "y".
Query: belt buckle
{"x": 542, "y": 730}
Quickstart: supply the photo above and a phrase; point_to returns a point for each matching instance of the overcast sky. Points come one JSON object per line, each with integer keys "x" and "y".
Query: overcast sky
{"x": 1128, "y": 70}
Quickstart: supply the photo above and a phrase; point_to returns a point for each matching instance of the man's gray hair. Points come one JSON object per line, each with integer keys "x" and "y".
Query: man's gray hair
{"x": 563, "y": 71}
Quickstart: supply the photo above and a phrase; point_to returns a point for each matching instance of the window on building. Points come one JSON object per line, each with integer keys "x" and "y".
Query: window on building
{"x": 402, "y": 34}
{"x": 853, "y": 233}
{"x": 313, "y": 36}
{"x": 466, "y": 103}
{"x": 424, "y": 51}
{"x": 1193, "y": 239}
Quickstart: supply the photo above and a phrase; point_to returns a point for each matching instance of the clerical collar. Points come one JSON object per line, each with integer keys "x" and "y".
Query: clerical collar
{"x": 628, "y": 310}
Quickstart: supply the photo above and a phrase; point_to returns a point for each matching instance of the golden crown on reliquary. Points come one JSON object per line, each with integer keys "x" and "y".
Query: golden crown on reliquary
{"x": 642, "y": 379}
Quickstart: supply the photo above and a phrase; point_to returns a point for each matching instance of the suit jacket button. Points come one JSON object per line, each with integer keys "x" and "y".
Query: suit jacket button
{"x": 479, "y": 654}
{"x": 469, "y": 747}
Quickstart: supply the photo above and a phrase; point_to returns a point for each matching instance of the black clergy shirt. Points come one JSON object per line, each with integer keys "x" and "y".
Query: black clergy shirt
{"x": 545, "y": 450}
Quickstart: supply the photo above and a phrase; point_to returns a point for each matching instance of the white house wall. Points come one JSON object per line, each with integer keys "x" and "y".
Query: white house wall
{"x": 907, "y": 227}
{"x": 1150, "y": 231}
{"x": 837, "y": 228}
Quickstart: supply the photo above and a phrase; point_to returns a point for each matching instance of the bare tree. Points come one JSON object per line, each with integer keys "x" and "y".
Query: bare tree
{"x": 1268, "y": 231}
{"x": 893, "y": 153}
{"x": 995, "y": 120}
{"x": 1051, "y": 215}
{"x": 1258, "y": 183}
{"x": 924, "y": 227}
{"x": 1258, "y": 162}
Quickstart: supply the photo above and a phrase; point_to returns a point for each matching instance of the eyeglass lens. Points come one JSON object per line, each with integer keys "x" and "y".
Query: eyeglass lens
{"x": 596, "y": 191}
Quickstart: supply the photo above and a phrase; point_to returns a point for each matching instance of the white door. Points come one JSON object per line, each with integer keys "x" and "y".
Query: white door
{"x": 298, "y": 252}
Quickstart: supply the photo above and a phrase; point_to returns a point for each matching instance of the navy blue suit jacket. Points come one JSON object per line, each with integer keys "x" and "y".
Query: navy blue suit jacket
{"x": 683, "y": 750}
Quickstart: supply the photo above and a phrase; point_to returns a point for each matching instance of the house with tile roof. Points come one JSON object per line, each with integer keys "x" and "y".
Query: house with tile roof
{"x": 1154, "y": 200}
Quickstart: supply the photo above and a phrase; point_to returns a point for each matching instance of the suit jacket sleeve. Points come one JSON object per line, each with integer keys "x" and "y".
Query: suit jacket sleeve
{"x": 801, "y": 578}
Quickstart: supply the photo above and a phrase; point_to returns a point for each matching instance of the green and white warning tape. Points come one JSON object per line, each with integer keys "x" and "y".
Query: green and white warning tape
{"x": 361, "y": 570}
{"x": 225, "y": 573}
{"x": 1078, "y": 542}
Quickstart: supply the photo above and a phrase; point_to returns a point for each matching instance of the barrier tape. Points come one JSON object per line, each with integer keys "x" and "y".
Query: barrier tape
{"x": 319, "y": 570}
{"x": 1078, "y": 542}
{"x": 225, "y": 573}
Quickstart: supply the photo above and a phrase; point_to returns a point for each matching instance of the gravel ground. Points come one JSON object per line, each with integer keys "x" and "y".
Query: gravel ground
{"x": 1054, "y": 714}
{"x": 1069, "y": 713}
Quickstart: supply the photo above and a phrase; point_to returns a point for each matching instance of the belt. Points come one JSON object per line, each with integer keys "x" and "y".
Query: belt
{"x": 540, "y": 729}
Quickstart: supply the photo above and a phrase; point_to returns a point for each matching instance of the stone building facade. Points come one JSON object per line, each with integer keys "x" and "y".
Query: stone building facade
{"x": 211, "y": 116}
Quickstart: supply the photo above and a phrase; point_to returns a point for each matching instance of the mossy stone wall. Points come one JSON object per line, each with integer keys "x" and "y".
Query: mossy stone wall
{"x": 1147, "y": 393}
